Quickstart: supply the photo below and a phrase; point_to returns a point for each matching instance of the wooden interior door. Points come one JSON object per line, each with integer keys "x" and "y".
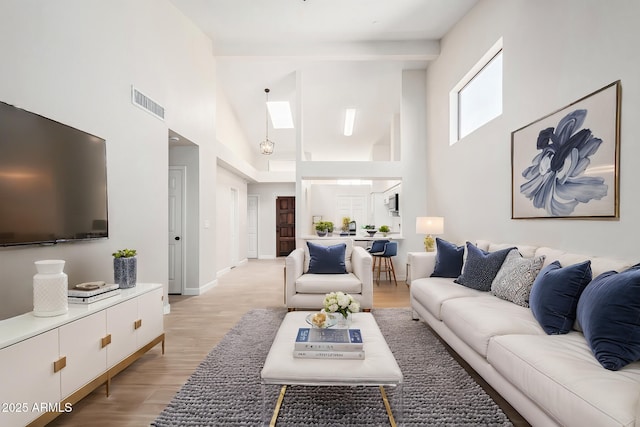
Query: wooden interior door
{"x": 285, "y": 225}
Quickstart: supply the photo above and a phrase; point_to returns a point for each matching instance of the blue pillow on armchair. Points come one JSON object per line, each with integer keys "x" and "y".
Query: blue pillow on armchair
{"x": 327, "y": 259}
{"x": 609, "y": 314}
{"x": 448, "y": 259}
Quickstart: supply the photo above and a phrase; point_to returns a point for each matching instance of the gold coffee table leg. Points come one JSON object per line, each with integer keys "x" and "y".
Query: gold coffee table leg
{"x": 276, "y": 411}
{"x": 392, "y": 420}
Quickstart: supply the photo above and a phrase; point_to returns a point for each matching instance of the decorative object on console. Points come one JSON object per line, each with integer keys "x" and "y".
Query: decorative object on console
{"x": 352, "y": 228}
{"x": 87, "y": 293}
{"x": 345, "y": 224}
{"x": 50, "y": 289}
{"x": 370, "y": 229}
{"x": 323, "y": 228}
{"x": 384, "y": 229}
{"x": 266, "y": 146}
{"x": 329, "y": 226}
{"x": 125, "y": 266}
{"x": 565, "y": 165}
{"x": 449, "y": 259}
{"x": 343, "y": 303}
{"x": 429, "y": 225}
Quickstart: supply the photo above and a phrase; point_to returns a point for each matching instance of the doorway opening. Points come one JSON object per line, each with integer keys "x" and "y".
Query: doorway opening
{"x": 285, "y": 225}
{"x": 182, "y": 204}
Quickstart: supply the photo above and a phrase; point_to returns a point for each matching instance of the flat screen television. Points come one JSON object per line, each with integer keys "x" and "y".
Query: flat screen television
{"x": 53, "y": 181}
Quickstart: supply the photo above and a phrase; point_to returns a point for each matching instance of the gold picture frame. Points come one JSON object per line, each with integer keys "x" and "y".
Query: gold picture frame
{"x": 566, "y": 164}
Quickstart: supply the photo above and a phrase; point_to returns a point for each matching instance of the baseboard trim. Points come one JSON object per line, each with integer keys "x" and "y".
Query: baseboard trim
{"x": 202, "y": 289}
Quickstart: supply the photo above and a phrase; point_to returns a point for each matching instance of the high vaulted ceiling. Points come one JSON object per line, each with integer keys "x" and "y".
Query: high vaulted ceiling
{"x": 348, "y": 53}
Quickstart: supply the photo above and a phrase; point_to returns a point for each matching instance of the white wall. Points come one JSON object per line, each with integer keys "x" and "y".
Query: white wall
{"x": 226, "y": 181}
{"x": 230, "y": 133}
{"x": 75, "y": 61}
{"x": 324, "y": 202}
{"x": 555, "y": 52}
{"x": 267, "y": 194}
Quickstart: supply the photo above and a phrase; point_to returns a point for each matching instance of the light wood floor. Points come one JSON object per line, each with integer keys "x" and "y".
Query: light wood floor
{"x": 194, "y": 326}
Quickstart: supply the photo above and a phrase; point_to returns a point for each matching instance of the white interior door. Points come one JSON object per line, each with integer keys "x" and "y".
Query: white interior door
{"x": 176, "y": 229}
{"x": 252, "y": 226}
{"x": 235, "y": 238}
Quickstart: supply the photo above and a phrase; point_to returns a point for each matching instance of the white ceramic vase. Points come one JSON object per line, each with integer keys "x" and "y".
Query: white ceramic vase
{"x": 50, "y": 290}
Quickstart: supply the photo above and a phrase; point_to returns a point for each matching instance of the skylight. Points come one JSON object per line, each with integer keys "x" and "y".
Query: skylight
{"x": 280, "y": 113}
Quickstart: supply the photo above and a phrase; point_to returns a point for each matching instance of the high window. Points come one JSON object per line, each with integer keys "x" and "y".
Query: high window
{"x": 477, "y": 98}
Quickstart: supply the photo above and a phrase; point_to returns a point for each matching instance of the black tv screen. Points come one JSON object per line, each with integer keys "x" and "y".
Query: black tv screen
{"x": 53, "y": 181}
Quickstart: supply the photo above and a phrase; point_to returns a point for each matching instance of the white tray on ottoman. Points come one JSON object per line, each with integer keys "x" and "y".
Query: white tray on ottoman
{"x": 378, "y": 368}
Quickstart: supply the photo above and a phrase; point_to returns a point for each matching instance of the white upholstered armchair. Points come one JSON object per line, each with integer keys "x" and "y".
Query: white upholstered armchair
{"x": 304, "y": 290}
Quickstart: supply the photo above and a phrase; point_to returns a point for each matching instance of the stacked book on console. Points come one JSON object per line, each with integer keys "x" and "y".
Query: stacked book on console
{"x": 86, "y": 293}
{"x": 316, "y": 343}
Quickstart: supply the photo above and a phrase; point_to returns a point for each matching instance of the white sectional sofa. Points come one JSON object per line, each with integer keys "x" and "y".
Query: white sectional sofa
{"x": 549, "y": 379}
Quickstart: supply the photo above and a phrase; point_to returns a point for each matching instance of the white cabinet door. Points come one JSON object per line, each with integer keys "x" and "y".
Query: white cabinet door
{"x": 121, "y": 320}
{"x": 28, "y": 378}
{"x": 151, "y": 314}
{"x": 81, "y": 344}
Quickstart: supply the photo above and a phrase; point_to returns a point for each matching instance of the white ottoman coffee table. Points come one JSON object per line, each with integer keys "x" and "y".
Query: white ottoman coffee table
{"x": 379, "y": 367}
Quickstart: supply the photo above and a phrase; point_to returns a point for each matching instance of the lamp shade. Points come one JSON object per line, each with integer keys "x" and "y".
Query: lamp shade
{"x": 429, "y": 225}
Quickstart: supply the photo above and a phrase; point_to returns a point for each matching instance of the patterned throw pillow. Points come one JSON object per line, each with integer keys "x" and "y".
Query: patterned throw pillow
{"x": 515, "y": 278}
{"x": 481, "y": 267}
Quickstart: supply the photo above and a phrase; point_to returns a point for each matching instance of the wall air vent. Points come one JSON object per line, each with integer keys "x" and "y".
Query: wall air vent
{"x": 147, "y": 104}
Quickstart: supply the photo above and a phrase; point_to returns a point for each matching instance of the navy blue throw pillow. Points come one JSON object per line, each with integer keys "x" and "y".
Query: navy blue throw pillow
{"x": 448, "y": 259}
{"x": 327, "y": 259}
{"x": 609, "y": 314}
{"x": 481, "y": 267}
{"x": 555, "y": 294}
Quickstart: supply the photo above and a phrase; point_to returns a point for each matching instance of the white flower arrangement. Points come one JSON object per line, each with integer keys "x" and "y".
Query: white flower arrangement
{"x": 339, "y": 302}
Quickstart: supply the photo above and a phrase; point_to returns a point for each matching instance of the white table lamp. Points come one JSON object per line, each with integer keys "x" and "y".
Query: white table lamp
{"x": 429, "y": 225}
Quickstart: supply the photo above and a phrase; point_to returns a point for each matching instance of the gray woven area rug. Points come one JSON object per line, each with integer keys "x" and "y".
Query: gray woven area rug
{"x": 225, "y": 389}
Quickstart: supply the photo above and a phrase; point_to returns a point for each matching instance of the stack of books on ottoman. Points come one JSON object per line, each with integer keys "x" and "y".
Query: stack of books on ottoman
{"x": 317, "y": 343}
{"x": 86, "y": 293}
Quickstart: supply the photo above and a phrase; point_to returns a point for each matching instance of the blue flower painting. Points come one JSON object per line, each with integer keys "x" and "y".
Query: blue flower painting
{"x": 556, "y": 180}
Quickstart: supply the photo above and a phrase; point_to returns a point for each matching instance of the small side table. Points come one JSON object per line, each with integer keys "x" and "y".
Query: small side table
{"x": 407, "y": 279}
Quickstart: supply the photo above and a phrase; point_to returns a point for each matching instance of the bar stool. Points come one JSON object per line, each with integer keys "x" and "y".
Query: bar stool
{"x": 390, "y": 249}
{"x": 377, "y": 246}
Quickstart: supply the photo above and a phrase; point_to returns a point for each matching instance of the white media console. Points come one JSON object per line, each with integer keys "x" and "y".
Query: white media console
{"x": 49, "y": 363}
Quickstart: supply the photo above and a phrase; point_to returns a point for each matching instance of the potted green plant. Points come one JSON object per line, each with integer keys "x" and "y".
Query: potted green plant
{"x": 370, "y": 229}
{"x": 125, "y": 266}
{"x": 384, "y": 229}
{"x": 321, "y": 229}
{"x": 329, "y": 226}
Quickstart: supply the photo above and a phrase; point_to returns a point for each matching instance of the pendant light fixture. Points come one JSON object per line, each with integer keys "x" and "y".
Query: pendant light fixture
{"x": 266, "y": 146}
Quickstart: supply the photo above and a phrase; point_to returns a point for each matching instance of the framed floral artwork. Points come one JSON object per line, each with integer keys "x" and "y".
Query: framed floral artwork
{"x": 565, "y": 165}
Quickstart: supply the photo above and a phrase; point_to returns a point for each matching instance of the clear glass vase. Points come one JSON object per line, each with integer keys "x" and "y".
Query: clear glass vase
{"x": 344, "y": 322}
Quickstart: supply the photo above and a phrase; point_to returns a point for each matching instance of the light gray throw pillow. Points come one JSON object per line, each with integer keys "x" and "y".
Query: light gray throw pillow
{"x": 515, "y": 278}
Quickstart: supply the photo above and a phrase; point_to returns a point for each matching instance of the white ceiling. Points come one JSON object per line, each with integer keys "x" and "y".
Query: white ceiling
{"x": 349, "y": 53}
